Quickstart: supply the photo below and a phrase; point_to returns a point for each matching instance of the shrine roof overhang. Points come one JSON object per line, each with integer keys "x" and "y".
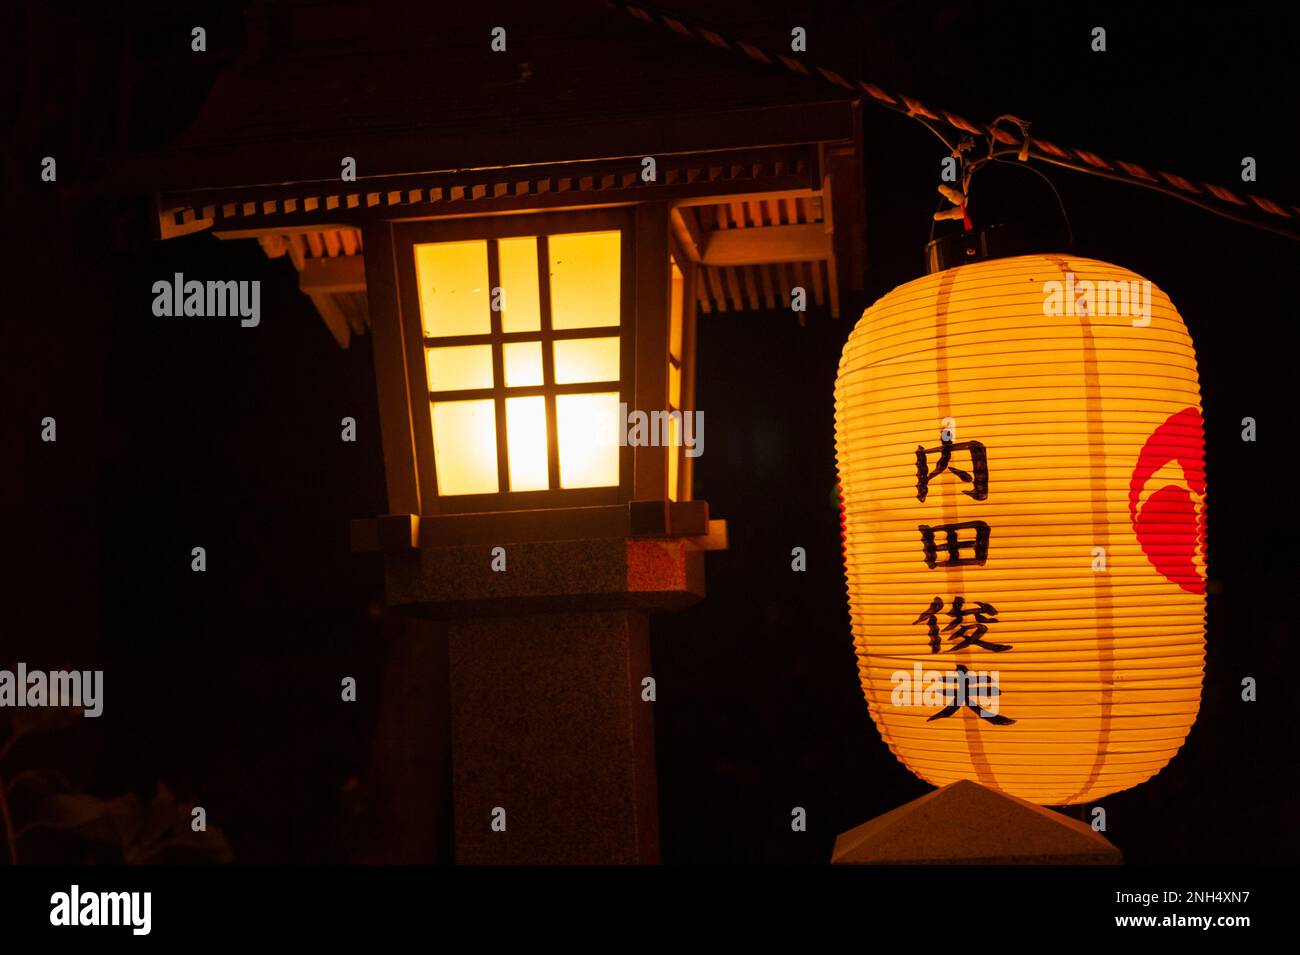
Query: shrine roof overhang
{"x": 744, "y": 156}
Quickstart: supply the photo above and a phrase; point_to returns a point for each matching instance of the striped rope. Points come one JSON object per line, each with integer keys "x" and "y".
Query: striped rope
{"x": 1276, "y": 217}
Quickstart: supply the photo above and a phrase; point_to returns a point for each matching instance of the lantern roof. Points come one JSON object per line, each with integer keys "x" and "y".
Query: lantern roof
{"x": 440, "y": 124}
{"x": 411, "y": 87}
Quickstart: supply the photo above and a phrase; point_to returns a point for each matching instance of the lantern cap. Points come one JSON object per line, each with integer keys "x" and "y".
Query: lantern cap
{"x": 970, "y": 824}
{"x": 990, "y": 242}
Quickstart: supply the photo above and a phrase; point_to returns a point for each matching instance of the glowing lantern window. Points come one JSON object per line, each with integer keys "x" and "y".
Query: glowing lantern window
{"x": 523, "y": 351}
{"x": 676, "y": 310}
{"x": 1020, "y": 453}
{"x": 584, "y": 278}
{"x": 526, "y": 430}
{"x": 588, "y": 439}
{"x": 464, "y": 441}
{"x": 460, "y": 367}
{"x": 523, "y": 364}
{"x": 453, "y": 288}
{"x": 586, "y": 359}
{"x": 522, "y": 310}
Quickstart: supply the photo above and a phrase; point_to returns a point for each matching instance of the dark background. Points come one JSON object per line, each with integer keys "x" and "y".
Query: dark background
{"x": 175, "y": 435}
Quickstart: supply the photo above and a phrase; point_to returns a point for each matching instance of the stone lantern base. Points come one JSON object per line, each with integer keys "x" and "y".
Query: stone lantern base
{"x": 547, "y": 658}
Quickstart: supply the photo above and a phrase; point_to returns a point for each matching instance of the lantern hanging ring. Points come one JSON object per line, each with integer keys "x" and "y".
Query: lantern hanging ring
{"x": 999, "y": 154}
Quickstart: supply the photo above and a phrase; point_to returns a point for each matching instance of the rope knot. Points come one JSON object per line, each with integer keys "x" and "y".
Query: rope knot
{"x": 1022, "y": 125}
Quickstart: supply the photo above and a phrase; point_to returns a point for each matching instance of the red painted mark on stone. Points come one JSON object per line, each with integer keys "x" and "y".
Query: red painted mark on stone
{"x": 655, "y": 565}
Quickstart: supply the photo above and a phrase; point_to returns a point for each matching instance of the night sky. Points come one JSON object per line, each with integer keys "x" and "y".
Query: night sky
{"x": 177, "y": 434}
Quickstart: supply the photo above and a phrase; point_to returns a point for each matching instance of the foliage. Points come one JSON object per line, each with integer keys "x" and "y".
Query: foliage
{"x": 123, "y": 828}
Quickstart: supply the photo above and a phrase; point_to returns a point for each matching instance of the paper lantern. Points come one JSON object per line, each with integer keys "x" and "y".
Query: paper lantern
{"x": 1021, "y": 464}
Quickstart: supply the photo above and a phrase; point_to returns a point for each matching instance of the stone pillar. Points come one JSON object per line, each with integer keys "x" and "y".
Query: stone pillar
{"x": 549, "y": 725}
{"x": 409, "y": 778}
{"x": 546, "y": 663}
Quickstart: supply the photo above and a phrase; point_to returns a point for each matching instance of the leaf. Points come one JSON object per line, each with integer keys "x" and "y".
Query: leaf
{"x": 29, "y": 720}
{"x": 209, "y": 846}
{"x": 98, "y": 822}
{"x": 70, "y": 811}
{"x": 127, "y": 815}
{"x": 167, "y": 825}
{"x": 142, "y": 834}
{"x": 38, "y": 782}
{"x": 158, "y": 822}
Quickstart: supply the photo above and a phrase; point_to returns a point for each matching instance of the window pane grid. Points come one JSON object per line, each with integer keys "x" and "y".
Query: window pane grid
{"x": 555, "y": 334}
{"x": 578, "y": 388}
{"x": 498, "y": 366}
{"x": 548, "y": 363}
{"x": 578, "y": 453}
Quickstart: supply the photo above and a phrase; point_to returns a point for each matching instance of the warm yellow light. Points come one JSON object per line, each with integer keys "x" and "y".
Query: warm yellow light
{"x": 1075, "y": 450}
{"x": 588, "y": 439}
{"x": 465, "y": 446}
{"x": 586, "y": 359}
{"x": 452, "y": 278}
{"x": 674, "y": 454}
{"x": 675, "y": 309}
{"x": 584, "y": 286}
{"x": 460, "y": 367}
{"x": 523, "y": 364}
{"x": 585, "y": 279}
{"x": 522, "y": 310}
{"x": 526, "y": 443}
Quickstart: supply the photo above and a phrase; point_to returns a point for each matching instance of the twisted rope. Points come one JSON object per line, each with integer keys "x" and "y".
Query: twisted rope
{"x": 1257, "y": 211}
